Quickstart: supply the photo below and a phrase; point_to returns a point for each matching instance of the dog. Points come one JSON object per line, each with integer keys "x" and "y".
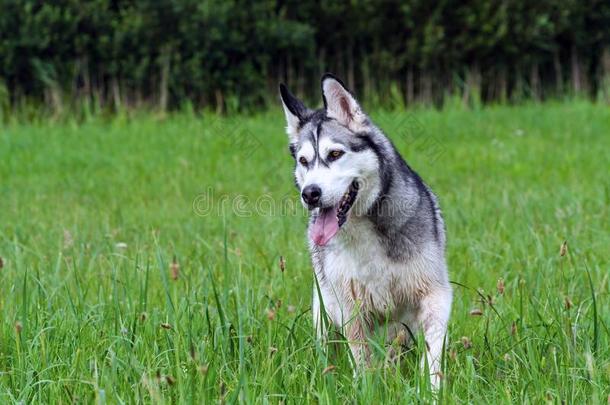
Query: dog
{"x": 376, "y": 233}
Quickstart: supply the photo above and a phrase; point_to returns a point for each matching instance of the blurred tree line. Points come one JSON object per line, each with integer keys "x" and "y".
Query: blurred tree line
{"x": 230, "y": 55}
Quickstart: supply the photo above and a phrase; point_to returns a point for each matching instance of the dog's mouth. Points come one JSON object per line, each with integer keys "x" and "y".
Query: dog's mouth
{"x": 330, "y": 219}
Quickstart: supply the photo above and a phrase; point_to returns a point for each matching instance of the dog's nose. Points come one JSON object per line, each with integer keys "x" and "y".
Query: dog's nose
{"x": 311, "y": 194}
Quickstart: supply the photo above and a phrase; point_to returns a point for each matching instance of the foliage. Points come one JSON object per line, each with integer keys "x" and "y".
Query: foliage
{"x": 229, "y": 55}
{"x": 114, "y": 290}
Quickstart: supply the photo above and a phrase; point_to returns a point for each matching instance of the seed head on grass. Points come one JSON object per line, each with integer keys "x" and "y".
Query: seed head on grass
{"x": 282, "y": 264}
{"x": 18, "y": 327}
{"x": 68, "y": 240}
{"x": 143, "y": 317}
{"x": 270, "y": 314}
{"x": 476, "y": 312}
{"x": 1, "y": 262}
{"x": 500, "y": 286}
{"x": 563, "y": 250}
{"x": 174, "y": 269}
{"x": 329, "y": 369}
{"x": 223, "y": 392}
{"x": 466, "y": 342}
{"x": 567, "y": 302}
{"x": 166, "y": 326}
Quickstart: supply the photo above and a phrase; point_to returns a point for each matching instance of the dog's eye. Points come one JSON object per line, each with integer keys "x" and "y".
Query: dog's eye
{"x": 303, "y": 161}
{"x": 335, "y": 154}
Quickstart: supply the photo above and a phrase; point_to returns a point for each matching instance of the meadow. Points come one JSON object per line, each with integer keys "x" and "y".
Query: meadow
{"x": 163, "y": 259}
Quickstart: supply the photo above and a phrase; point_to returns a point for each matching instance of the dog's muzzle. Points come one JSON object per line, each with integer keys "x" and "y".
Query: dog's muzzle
{"x": 328, "y": 220}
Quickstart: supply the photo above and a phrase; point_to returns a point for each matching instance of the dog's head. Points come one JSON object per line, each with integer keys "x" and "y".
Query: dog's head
{"x": 336, "y": 164}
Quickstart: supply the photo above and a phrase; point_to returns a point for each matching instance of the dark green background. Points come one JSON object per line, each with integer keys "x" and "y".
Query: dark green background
{"x": 230, "y": 55}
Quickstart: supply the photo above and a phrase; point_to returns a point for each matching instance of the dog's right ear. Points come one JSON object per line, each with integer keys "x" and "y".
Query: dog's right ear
{"x": 295, "y": 112}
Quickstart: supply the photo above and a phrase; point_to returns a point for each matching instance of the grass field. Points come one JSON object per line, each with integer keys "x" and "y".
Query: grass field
{"x": 141, "y": 261}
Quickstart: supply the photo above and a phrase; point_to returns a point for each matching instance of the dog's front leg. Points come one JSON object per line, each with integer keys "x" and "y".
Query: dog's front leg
{"x": 327, "y": 308}
{"x": 432, "y": 317}
{"x": 356, "y": 334}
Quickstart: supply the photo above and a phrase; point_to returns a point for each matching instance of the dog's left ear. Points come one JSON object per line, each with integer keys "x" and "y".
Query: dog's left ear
{"x": 340, "y": 104}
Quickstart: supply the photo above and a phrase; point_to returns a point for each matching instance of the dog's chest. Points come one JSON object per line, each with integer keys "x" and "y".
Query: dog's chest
{"x": 358, "y": 263}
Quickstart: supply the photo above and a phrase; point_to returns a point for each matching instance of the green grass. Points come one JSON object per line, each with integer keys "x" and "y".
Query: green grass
{"x": 92, "y": 216}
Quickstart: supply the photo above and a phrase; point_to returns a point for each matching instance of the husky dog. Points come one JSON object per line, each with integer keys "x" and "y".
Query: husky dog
{"x": 376, "y": 234}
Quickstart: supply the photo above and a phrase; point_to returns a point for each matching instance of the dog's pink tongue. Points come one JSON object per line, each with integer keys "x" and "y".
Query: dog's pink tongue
{"x": 325, "y": 227}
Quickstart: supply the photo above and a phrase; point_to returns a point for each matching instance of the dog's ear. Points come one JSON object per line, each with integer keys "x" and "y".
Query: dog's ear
{"x": 340, "y": 104}
{"x": 295, "y": 112}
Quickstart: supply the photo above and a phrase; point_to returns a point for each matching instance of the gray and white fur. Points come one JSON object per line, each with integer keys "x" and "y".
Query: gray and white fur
{"x": 385, "y": 265}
